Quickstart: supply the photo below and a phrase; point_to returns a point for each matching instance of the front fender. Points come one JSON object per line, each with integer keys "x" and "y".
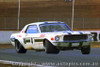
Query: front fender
{"x": 15, "y": 37}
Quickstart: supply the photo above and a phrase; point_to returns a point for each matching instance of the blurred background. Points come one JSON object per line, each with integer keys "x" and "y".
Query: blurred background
{"x": 87, "y": 13}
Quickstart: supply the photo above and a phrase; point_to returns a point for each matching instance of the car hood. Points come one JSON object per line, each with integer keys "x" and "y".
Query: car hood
{"x": 67, "y": 33}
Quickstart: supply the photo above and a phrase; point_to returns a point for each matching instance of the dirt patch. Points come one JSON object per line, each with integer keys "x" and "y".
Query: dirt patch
{"x": 6, "y": 46}
{"x": 95, "y": 45}
{"x": 5, "y": 65}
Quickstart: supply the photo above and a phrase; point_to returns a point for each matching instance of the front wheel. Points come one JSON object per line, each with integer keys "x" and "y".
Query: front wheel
{"x": 49, "y": 48}
{"x": 19, "y": 48}
{"x": 86, "y": 50}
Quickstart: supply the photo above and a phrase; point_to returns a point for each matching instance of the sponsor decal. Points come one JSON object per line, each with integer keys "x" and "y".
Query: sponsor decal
{"x": 42, "y": 35}
{"x": 52, "y": 38}
{"x": 22, "y": 31}
{"x": 19, "y": 35}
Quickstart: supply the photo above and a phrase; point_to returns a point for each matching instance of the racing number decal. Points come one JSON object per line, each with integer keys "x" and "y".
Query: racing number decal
{"x": 28, "y": 40}
{"x": 32, "y": 40}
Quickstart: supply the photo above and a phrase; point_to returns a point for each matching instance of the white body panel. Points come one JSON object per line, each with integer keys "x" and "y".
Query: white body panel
{"x": 35, "y": 41}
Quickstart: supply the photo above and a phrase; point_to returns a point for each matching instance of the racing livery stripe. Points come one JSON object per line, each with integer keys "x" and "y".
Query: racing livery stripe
{"x": 26, "y": 41}
{"x": 80, "y": 32}
{"x": 38, "y": 40}
{"x": 69, "y": 33}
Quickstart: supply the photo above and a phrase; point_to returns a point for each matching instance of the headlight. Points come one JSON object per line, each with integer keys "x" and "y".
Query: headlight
{"x": 57, "y": 38}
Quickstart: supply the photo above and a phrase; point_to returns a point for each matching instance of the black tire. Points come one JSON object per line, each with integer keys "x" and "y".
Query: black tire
{"x": 19, "y": 48}
{"x": 86, "y": 50}
{"x": 49, "y": 48}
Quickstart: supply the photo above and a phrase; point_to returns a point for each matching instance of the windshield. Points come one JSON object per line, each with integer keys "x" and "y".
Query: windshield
{"x": 54, "y": 27}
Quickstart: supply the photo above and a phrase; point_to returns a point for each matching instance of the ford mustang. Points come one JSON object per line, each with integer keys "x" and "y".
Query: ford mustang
{"x": 51, "y": 37}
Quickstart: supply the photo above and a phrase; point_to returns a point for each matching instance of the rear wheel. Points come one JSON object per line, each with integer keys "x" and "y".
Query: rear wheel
{"x": 19, "y": 48}
{"x": 86, "y": 50}
{"x": 49, "y": 48}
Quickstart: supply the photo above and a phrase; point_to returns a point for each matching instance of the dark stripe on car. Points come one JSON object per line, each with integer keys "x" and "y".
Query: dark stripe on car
{"x": 69, "y": 33}
{"x": 26, "y": 41}
{"x": 80, "y": 32}
{"x": 38, "y": 40}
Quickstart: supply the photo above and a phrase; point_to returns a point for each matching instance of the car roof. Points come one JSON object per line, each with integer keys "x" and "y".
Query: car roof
{"x": 45, "y": 22}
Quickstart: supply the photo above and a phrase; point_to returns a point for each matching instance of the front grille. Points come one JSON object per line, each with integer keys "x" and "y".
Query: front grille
{"x": 75, "y": 37}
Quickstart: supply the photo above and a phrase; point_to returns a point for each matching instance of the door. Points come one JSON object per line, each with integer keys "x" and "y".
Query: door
{"x": 33, "y": 38}
{"x": 31, "y": 33}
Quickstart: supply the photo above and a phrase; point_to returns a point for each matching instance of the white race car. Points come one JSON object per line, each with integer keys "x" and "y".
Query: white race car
{"x": 51, "y": 37}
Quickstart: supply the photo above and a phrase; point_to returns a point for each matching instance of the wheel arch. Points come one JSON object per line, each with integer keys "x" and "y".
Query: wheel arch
{"x": 18, "y": 41}
{"x": 44, "y": 41}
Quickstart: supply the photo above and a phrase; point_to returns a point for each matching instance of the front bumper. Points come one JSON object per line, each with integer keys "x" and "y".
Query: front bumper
{"x": 80, "y": 43}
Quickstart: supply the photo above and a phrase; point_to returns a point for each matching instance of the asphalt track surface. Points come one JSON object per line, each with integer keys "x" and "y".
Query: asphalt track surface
{"x": 63, "y": 59}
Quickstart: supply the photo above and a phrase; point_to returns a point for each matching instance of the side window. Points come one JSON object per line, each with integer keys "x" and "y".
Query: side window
{"x": 32, "y": 29}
